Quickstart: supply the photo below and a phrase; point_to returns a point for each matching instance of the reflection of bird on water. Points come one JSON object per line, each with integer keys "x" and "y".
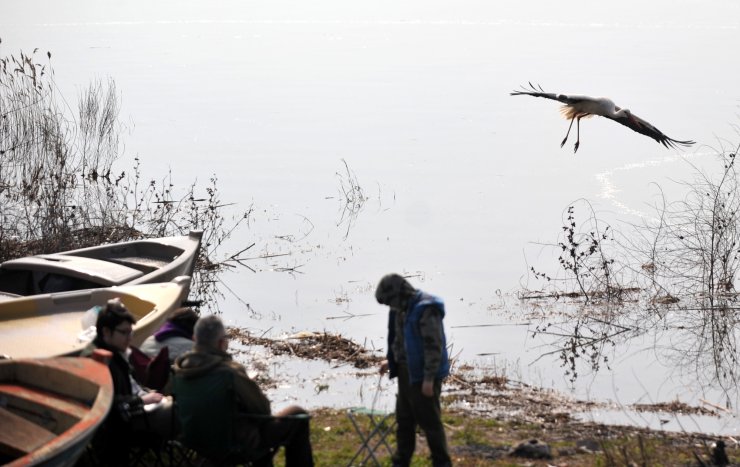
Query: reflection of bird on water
{"x": 578, "y": 107}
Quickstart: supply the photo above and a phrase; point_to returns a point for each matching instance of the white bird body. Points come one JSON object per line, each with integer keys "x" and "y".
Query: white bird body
{"x": 578, "y": 107}
{"x": 590, "y": 106}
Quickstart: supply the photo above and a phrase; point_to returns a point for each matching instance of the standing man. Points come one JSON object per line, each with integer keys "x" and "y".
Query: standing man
{"x": 417, "y": 355}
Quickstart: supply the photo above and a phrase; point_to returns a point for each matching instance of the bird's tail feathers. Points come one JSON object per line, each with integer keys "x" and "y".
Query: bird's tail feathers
{"x": 569, "y": 112}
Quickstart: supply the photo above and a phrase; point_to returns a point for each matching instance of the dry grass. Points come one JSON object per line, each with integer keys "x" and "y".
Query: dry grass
{"x": 484, "y": 441}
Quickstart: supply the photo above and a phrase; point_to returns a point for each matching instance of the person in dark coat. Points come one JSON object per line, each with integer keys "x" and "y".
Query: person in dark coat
{"x": 417, "y": 357}
{"x": 114, "y": 328}
{"x": 209, "y": 355}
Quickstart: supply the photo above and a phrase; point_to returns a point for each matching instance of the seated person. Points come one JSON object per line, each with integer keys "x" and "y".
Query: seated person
{"x": 134, "y": 408}
{"x": 209, "y": 356}
{"x": 176, "y": 334}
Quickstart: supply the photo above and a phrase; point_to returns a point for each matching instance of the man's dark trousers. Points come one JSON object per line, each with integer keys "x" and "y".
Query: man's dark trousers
{"x": 412, "y": 409}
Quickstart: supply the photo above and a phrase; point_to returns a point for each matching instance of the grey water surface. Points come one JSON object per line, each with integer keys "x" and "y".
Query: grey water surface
{"x": 461, "y": 183}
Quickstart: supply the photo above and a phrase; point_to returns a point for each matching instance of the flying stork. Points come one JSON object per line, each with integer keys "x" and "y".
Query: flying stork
{"x": 578, "y": 107}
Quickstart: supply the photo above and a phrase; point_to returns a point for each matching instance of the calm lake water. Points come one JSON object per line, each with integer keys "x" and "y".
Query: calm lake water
{"x": 463, "y": 182}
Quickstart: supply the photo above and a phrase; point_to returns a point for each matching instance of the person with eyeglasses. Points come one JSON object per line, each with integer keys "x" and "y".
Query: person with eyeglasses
{"x": 136, "y": 411}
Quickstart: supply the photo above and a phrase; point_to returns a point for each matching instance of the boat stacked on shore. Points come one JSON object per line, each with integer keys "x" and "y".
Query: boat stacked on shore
{"x": 44, "y": 299}
{"x": 127, "y": 263}
{"x": 50, "y": 404}
{"x": 53, "y": 325}
{"x": 50, "y": 409}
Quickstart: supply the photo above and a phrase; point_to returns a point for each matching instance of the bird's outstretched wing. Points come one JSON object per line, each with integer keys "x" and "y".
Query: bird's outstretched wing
{"x": 644, "y": 127}
{"x": 537, "y": 91}
{"x": 583, "y": 106}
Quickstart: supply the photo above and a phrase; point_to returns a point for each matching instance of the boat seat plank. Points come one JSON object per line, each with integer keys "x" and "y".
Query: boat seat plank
{"x": 19, "y": 436}
{"x": 147, "y": 261}
{"x": 98, "y": 271}
{"x": 43, "y": 398}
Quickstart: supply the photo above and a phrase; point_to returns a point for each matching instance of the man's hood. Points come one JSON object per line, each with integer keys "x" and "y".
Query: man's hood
{"x": 199, "y": 361}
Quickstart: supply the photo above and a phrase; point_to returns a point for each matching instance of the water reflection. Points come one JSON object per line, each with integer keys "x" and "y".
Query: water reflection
{"x": 351, "y": 198}
{"x": 669, "y": 279}
{"x": 704, "y": 344}
{"x": 698, "y": 344}
{"x": 589, "y": 337}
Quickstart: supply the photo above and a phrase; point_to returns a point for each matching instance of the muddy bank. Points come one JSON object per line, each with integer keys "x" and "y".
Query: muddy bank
{"x": 470, "y": 389}
{"x": 487, "y": 415}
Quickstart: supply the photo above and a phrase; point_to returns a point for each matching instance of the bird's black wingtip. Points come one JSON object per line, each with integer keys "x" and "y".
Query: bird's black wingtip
{"x": 532, "y": 90}
{"x": 671, "y": 143}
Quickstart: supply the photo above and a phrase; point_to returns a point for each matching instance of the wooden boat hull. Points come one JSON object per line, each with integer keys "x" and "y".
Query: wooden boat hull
{"x": 127, "y": 263}
{"x": 51, "y": 409}
{"x": 51, "y": 325}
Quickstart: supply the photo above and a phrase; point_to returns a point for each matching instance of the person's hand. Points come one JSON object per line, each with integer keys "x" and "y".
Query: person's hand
{"x": 151, "y": 398}
{"x": 384, "y": 367}
{"x": 427, "y": 388}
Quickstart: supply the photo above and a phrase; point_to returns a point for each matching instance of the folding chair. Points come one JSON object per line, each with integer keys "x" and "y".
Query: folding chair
{"x": 373, "y": 427}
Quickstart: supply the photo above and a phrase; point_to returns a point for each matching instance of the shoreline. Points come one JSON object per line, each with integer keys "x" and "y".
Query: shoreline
{"x": 341, "y": 363}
